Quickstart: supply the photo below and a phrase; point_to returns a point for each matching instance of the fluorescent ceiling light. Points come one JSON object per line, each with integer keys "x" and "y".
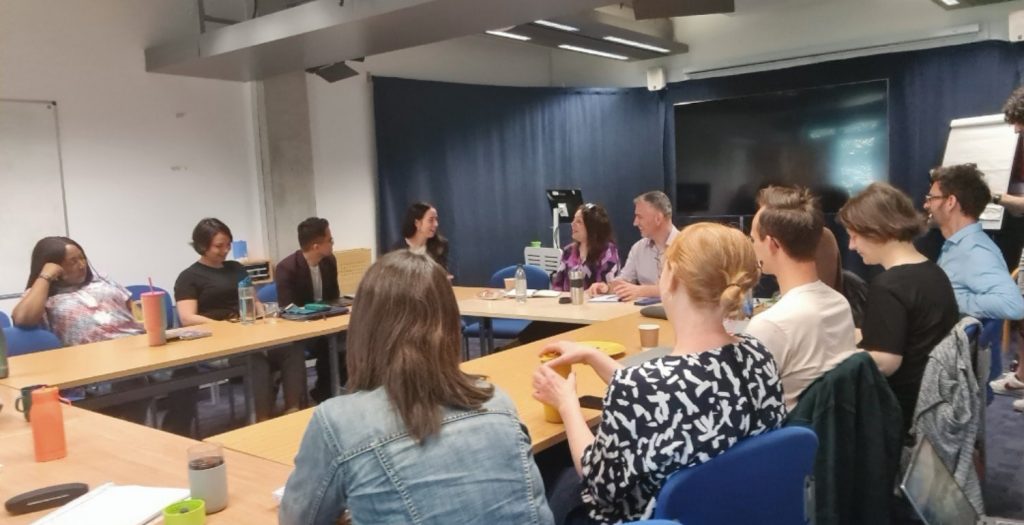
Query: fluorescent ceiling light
{"x": 505, "y": 34}
{"x": 634, "y": 43}
{"x": 951, "y": 2}
{"x": 556, "y": 25}
{"x": 592, "y": 52}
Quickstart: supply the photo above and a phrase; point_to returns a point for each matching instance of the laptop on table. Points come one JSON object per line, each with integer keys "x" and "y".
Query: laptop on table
{"x": 935, "y": 495}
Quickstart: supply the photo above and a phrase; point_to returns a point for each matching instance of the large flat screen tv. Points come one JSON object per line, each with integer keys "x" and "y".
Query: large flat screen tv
{"x": 832, "y": 139}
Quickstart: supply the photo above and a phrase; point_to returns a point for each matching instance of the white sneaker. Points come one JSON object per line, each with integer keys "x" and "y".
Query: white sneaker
{"x": 1008, "y": 384}
{"x": 1018, "y": 405}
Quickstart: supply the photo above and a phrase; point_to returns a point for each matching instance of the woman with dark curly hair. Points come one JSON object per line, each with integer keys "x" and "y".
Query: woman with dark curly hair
{"x": 592, "y": 251}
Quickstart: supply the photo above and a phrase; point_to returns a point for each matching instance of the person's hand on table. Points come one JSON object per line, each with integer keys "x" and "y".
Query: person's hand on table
{"x": 626, "y": 291}
{"x": 552, "y": 389}
{"x": 598, "y": 289}
{"x": 568, "y": 353}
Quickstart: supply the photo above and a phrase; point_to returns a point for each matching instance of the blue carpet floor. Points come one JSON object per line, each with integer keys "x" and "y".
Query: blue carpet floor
{"x": 1004, "y": 475}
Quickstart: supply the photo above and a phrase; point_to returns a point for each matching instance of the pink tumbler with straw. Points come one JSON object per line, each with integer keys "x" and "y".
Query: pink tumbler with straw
{"x": 153, "y": 316}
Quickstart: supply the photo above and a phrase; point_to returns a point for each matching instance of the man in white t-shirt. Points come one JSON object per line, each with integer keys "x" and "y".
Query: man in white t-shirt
{"x": 810, "y": 329}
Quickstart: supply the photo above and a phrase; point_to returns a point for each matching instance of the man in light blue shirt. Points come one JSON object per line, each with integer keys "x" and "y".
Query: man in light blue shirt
{"x": 975, "y": 266}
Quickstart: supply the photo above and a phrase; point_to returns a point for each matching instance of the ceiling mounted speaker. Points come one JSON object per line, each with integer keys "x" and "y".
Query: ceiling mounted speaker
{"x": 647, "y": 9}
{"x": 334, "y": 72}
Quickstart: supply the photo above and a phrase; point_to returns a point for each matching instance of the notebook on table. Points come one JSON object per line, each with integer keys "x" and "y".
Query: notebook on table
{"x": 111, "y": 504}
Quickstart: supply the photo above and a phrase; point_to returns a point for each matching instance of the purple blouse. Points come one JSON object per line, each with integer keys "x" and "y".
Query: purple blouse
{"x": 601, "y": 270}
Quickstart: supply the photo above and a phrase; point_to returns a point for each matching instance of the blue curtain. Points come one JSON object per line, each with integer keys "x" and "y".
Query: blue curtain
{"x": 483, "y": 155}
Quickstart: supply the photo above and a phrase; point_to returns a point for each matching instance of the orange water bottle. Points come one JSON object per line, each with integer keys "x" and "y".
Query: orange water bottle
{"x": 47, "y": 419}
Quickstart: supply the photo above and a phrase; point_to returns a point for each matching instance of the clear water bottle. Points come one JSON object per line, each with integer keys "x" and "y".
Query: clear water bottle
{"x": 246, "y": 301}
{"x": 748, "y": 304}
{"x": 3, "y": 356}
{"x": 520, "y": 284}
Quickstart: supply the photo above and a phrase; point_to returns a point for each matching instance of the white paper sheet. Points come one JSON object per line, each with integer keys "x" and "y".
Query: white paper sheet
{"x": 111, "y": 504}
{"x": 990, "y": 143}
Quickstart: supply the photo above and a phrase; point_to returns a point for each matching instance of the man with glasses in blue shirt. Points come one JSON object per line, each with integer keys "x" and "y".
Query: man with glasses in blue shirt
{"x": 975, "y": 266}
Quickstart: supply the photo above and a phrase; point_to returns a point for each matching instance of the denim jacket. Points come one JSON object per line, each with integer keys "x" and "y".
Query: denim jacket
{"x": 356, "y": 454}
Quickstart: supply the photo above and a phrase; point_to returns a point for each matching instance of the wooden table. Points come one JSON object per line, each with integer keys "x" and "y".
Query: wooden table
{"x": 511, "y": 370}
{"x": 103, "y": 449}
{"x": 129, "y": 357}
{"x": 276, "y": 439}
{"x": 534, "y": 309}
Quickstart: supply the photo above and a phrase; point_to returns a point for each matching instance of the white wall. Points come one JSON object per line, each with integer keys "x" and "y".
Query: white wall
{"x": 778, "y": 29}
{"x": 145, "y": 156}
{"x": 341, "y": 117}
{"x": 341, "y": 114}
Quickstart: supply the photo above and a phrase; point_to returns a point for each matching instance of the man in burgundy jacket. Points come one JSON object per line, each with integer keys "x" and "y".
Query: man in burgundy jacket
{"x": 310, "y": 275}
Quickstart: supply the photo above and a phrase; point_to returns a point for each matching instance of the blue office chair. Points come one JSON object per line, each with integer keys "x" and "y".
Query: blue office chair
{"x": 268, "y": 293}
{"x": 653, "y": 522}
{"x": 536, "y": 278}
{"x": 4, "y": 320}
{"x": 169, "y": 313}
{"x": 761, "y": 479}
{"x": 27, "y": 340}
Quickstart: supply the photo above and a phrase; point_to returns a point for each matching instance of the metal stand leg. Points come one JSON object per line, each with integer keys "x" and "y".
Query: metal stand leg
{"x": 231, "y": 398}
{"x": 487, "y": 326}
{"x": 250, "y": 394}
{"x": 332, "y": 352}
{"x": 484, "y": 323}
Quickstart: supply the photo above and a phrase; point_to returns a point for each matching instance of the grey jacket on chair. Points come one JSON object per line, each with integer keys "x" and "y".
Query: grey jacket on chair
{"x": 950, "y": 407}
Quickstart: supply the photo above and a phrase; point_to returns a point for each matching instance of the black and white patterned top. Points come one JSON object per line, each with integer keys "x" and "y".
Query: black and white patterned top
{"x": 676, "y": 412}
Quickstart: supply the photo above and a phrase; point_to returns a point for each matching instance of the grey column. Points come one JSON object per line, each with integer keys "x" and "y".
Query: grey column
{"x": 287, "y": 159}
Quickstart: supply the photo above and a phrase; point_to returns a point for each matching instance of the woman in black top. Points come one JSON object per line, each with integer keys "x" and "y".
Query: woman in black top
{"x": 420, "y": 234}
{"x": 208, "y": 291}
{"x": 911, "y": 306}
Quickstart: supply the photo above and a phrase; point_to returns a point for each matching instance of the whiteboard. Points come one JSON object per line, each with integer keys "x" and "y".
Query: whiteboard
{"x": 991, "y": 143}
{"x": 32, "y": 204}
